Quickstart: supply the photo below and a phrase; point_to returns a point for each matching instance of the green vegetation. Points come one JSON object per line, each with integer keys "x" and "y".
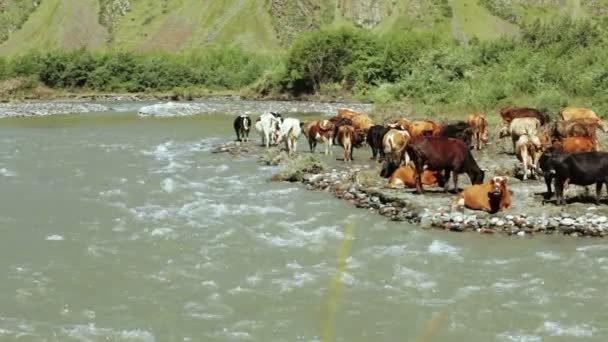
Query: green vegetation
{"x": 549, "y": 64}
{"x": 13, "y": 13}
{"x": 123, "y": 71}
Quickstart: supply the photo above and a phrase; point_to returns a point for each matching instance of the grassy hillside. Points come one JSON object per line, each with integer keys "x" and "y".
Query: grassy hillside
{"x": 257, "y": 25}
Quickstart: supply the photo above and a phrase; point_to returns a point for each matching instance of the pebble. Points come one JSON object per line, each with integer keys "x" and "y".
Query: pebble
{"x": 567, "y": 221}
{"x": 521, "y": 233}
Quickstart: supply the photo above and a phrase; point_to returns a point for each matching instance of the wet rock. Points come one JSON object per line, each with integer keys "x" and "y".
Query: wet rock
{"x": 521, "y": 233}
{"x": 567, "y": 221}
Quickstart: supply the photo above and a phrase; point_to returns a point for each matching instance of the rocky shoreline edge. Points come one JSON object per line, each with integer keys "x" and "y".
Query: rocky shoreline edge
{"x": 348, "y": 183}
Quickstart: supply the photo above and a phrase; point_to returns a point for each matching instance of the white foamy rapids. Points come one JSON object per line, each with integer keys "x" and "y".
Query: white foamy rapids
{"x": 302, "y": 238}
{"x": 412, "y": 278}
{"x": 7, "y": 173}
{"x": 90, "y": 332}
{"x": 592, "y": 248}
{"x": 439, "y": 247}
{"x": 518, "y": 337}
{"x": 168, "y": 185}
{"x": 557, "y": 329}
{"x": 548, "y": 255}
{"x": 299, "y": 280}
{"x": 55, "y": 237}
{"x": 176, "y": 156}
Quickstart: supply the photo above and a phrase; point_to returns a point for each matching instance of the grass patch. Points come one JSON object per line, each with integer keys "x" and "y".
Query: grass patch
{"x": 292, "y": 169}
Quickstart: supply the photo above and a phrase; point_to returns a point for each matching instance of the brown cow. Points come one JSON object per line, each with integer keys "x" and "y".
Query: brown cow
{"x": 510, "y": 113}
{"x": 578, "y": 128}
{"x": 347, "y": 113}
{"x": 491, "y": 197}
{"x": 572, "y": 113}
{"x": 322, "y": 130}
{"x": 402, "y": 124}
{"x": 419, "y": 128}
{"x": 576, "y": 144}
{"x": 346, "y": 137}
{"x": 479, "y": 124}
{"x": 405, "y": 176}
{"x": 443, "y": 154}
{"x": 362, "y": 122}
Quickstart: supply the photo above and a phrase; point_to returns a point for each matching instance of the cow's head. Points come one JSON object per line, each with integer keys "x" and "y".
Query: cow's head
{"x": 499, "y": 185}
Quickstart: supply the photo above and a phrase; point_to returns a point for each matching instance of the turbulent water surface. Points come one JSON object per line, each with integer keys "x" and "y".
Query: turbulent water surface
{"x": 123, "y": 228}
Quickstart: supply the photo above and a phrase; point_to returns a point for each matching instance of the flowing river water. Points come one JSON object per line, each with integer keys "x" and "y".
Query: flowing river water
{"x": 122, "y": 228}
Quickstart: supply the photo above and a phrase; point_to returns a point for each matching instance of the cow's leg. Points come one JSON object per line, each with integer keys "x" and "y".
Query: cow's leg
{"x": 455, "y": 175}
{"x": 559, "y": 191}
{"x": 598, "y": 192}
{"x": 548, "y": 179}
{"x": 374, "y": 153}
{"x": 238, "y": 137}
{"x": 330, "y": 141}
{"x": 419, "y": 170}
{"x": 310, "y": 145}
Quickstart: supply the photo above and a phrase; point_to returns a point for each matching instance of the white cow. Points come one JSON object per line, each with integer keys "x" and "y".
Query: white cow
{"x": 268, "y": 127}
{"x": 290, "y": 132}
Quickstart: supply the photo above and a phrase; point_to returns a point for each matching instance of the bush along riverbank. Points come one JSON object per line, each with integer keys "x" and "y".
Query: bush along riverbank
{"x": 361, "y": 186}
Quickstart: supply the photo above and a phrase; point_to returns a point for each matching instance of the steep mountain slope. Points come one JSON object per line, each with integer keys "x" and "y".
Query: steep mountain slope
{"x": 259, "y": 25}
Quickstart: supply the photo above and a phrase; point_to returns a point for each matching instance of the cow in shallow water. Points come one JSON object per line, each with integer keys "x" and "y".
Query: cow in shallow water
{"x": 242, "y": 124}
{"x": 289, "y": 131}
{"x": 346, "y": 139}
{"x": 491, "y": 197}
{"x": 443, "y": 154}
{"x": 268, "y": 127}
{"x": 375, "y": 135}
{"x": 323, "y": 131}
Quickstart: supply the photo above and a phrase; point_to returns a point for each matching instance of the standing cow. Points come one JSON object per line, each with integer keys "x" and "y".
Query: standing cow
{"x": 290, "y": 131}
{"x": 346, "y": 139}
{"x": 242, "y": 124}
{"x": 443, "y": 154}
{"x": 268, "y": 127}
{"x": 323, "y": 131}
{"x": 479, "y": 124}
{"x": 375, "y": 135}
{"x": 528, "y": 150}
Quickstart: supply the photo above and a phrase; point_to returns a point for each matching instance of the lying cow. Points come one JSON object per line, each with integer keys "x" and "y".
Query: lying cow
{"x": 528, "y": 150}
{"x": 289, "y": 132}
{"x": 479, "y": 124}
{"x": 405, "y": 176}
{"x": 510, "y": 113}
{"x": 375, "y": 135}
{"x": 460, "y": 130}
{"x": 268, "y": 127}
{"x": 242, "y": 124}
{"x": 584, "y": 168}
{"x": 346, "y": 139}
{"x": 443, "y": 154}
{"x": 323, "y": 131}
{"x": 491, "y": 197}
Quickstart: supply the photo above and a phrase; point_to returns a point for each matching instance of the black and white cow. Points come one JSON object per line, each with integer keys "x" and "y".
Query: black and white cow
{"x": 242, "y": 124}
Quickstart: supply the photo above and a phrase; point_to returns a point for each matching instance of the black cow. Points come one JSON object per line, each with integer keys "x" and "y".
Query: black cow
{"x": 581, "y": 168}
{"x": 443, "y": 154}
{"x": 242, "y": 125}
{"x": 460, "y": 130}
{"x": 374, "y": 139}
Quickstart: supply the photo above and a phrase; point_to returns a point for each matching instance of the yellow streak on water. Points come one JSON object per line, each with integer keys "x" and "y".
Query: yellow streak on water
{"x": 334, "y": 292}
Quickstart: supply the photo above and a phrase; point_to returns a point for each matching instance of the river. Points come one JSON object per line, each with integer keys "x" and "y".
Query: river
{"x": 124, "y": 228}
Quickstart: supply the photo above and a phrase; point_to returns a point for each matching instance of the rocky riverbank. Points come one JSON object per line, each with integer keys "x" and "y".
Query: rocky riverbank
{"x": 360, "y": 185}
{"x": 25, "y": 109}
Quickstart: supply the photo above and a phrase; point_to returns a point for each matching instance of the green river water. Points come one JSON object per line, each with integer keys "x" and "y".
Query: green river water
{"x": 122, "y": 228}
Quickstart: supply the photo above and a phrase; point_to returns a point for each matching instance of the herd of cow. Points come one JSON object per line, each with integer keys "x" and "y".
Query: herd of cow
{"x": 423, "y": 152}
